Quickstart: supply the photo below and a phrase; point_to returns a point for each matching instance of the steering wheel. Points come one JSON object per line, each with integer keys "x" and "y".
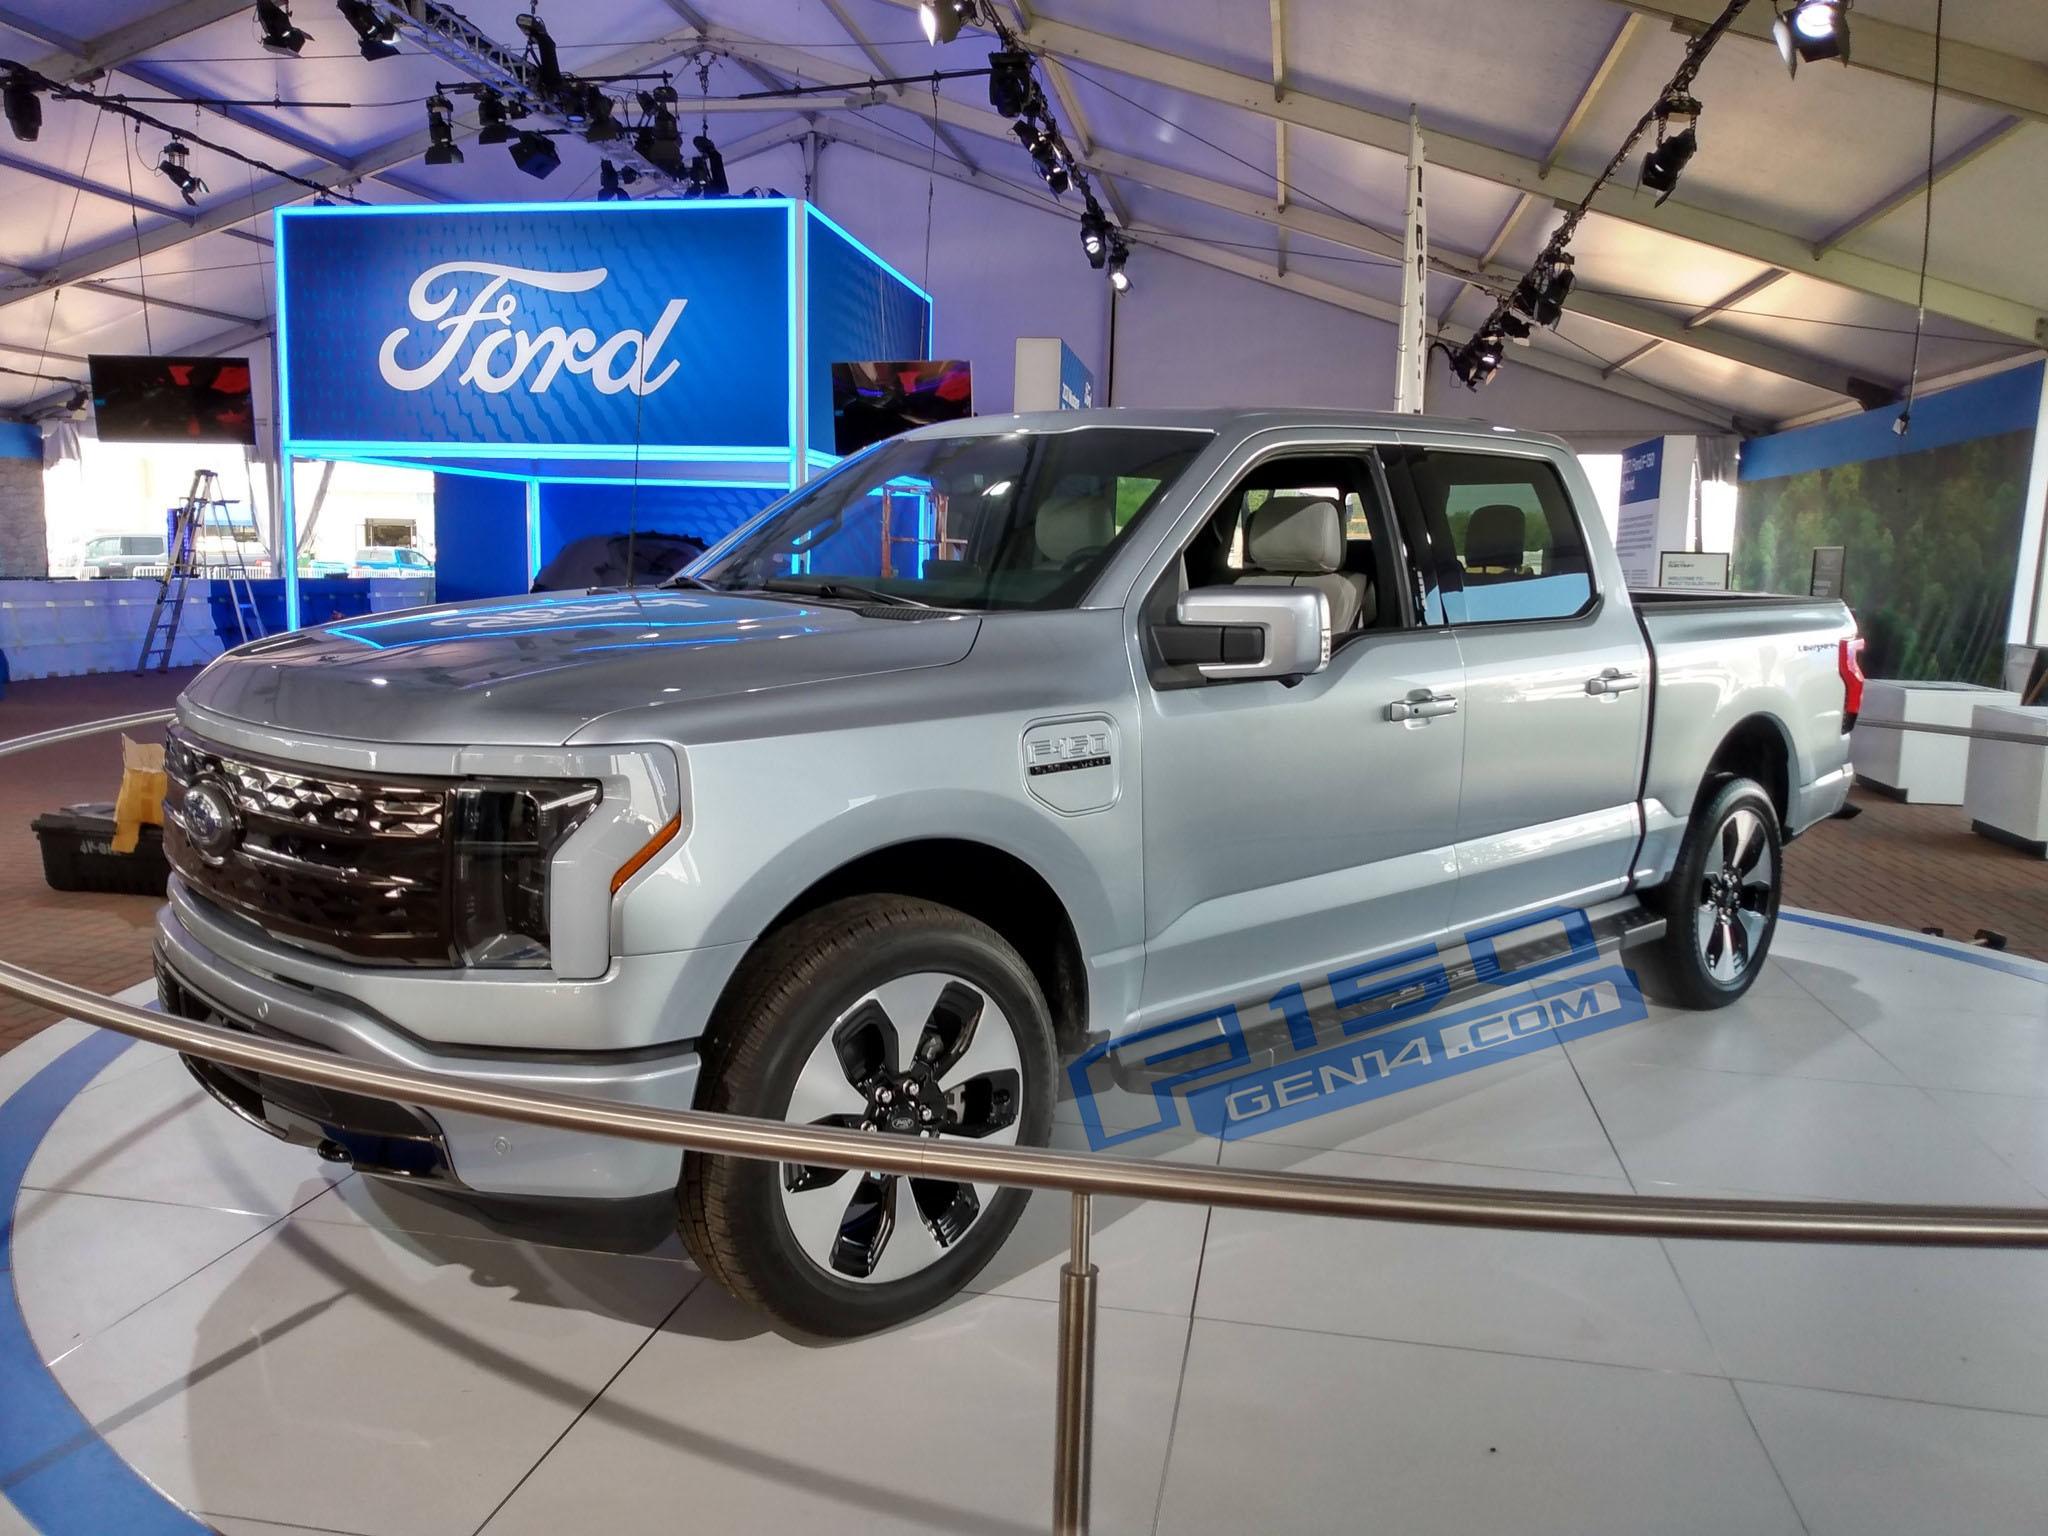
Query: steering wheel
{"x": 1081, "y": 557}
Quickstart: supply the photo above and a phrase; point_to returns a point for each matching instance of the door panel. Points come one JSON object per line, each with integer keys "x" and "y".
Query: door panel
{"x": 1289, "y": 830}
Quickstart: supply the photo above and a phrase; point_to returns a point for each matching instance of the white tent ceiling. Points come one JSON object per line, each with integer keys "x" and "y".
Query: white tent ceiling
{"x": 1263, "y": 140}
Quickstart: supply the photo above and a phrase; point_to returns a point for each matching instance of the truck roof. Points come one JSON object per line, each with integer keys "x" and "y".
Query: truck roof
{"x": 1237, "y": 422}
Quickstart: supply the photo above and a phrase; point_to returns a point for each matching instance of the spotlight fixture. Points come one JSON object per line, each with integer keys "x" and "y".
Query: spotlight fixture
{"x": 600, "y": 117}
{"x": 659, "y": 139}
{"x": 1677, "y": 142}
{"x": 1812, "y": 30}
{"x": 1011, "y": 90}
{"x": 1095, "y": 235}
{"x": 611, "y": 184}
{"x": 1476, "y": 362}
{"x": 943, "y": 19}
{"x": 540, "y": 51}
{"x": 279, "y": 35}
{"x": 175, "y": 171}
{"x": 79, "y": 398}
{"x": 1542, "y": 293}
{"x": 441, "y": 149}
{"x": 376, "y": 33}
{"x": 535, "y": 154}
{"x": 24, "y": 106}
{"x": 1045, "y": 154}
{"x": 1515, "y": 328}
{"x": 706, "y": 176}
{"x": 1119, "y": 253}
{"x": 495, "y": 114}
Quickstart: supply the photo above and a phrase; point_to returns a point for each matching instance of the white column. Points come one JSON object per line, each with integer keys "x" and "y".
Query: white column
{"x": 1412, "y": 352}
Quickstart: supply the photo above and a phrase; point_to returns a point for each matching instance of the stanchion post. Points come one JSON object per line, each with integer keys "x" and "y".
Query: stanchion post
{"x": 1074, "y": 1435}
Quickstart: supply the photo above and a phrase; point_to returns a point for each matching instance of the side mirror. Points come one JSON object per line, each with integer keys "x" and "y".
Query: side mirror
{"x": 1229, "y": 633}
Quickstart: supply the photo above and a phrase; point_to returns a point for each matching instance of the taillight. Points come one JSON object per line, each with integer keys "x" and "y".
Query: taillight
{"x": 1849, "y": 662}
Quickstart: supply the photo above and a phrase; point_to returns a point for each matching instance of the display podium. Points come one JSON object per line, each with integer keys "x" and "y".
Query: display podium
{"x": 2006, "y": 796}
{"x": 1918, "y": 766}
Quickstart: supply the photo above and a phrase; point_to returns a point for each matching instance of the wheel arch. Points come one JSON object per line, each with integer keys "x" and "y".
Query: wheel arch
{"x": 1756, "y": 747}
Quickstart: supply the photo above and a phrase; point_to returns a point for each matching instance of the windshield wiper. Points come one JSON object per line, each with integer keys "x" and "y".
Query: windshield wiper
{"x": 698, "y": 582}
{"x": 832, "y": 586}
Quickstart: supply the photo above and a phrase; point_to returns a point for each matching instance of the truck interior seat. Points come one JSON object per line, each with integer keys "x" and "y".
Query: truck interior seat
{"x": 1495, "y": 543}
{"x": 1293, "y": 543}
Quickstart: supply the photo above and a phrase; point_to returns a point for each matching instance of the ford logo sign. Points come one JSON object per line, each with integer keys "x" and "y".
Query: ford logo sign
{"x": 211, "y": 824}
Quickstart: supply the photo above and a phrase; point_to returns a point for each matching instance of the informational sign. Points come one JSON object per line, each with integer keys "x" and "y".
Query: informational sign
{"x": 562, "y": 327}
{"x": 1682, "y": 570}
{"x": 1829, "y": 561}
{"x": 1656, "y": 505}
{"x": 1050, "y": 377}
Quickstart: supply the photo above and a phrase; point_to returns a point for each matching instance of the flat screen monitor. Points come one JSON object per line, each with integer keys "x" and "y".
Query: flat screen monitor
{"x": 871, "y": 401}
{"x": 173, "y": 400}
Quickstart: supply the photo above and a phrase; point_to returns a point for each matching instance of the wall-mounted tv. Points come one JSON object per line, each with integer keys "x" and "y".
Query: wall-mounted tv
{"x": 871, "y": 401}
{"x": 173, "y": 400}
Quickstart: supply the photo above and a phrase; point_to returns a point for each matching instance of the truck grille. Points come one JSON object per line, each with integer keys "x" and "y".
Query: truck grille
{"x": 351, "y": 865}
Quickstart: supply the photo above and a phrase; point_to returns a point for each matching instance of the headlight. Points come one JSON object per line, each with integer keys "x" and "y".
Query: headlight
{"x": 505, "y": 837}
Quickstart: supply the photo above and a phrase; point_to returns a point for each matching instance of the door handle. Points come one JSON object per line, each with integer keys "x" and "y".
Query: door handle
{"x": 1422, "y": 704}
{"x": 1612, "y": 681}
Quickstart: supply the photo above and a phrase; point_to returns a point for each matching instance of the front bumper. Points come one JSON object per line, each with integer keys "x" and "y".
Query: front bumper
{"x": 489, "y": 1156}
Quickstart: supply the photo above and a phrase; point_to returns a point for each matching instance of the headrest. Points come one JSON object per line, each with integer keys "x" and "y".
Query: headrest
{"x": 1071, "y": 521}
{"x": 1294, "y": 536}
{"x": 1494, "y": 539}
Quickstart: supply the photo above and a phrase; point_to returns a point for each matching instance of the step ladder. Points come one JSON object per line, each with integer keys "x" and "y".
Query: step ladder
{"x": 204, "y": 511}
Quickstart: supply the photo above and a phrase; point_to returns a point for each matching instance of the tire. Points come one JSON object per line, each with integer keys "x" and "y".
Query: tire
{"x": 1721, "y": 902}
{"x": 809, "y": 1031}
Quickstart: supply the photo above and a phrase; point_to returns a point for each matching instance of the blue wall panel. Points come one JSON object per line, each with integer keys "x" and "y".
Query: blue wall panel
{"x": 860, "y": 311}
{"x": 705, "y": 513}
{"x": 479, "y": 538}
{"x": 2004, "y": 402}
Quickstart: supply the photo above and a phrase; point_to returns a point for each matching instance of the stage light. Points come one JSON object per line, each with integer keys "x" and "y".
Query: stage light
{"x": 1811, "y": 31}
{"x": 1476, "y": 362}
{"x": 540, "y": 51}
{"x": 1011, "y": 90}
{"x": 1677, "y": 142}
{"x": 707, "y": 170}
{"x": 600, "y": 117}
{"x": 24, "y": 107}
{"x": 943, "y": 19}
{"x": 279, "y": 35}
{"x": 376, "y": 34}
{"x": 659, "y": 140}
{"x": 79, "y": 398}
{"x": 1542, "y": 293}
{"x": 1119, "y": 253}
{"x": 492, "y": 111}
{"x": 535, "y": 154}
{"x": 610, "y": 187}
{"x": 1095, "y": 235}
{"x": 175, "y": 171}
{"x": 441, "y": 148}
{"x": 1045, "y": 154}
{"x": 1515, "y": 328}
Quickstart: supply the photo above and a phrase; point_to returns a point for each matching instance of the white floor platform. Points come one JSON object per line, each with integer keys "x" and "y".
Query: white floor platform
{"x": 282, "y": 1348}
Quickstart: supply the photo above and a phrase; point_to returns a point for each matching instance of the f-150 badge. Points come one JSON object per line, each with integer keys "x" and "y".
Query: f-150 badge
{"x": 1070, "y": 765}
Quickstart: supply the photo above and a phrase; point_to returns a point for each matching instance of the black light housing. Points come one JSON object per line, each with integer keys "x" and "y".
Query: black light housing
{"x": 540, "y": 51}
{"x": 1811, "y": 31}
{"x": 1095, "y": 235}
{"x": 376, "y": 34}
{"x": 943, "y": 19}
{"x": 707, "y": 170}
{"x": 1542, "y": 293}
{"x": 24, "y": 107}
{"x": 535, "y": 154}
{"x": 1119, "y": 254}
{"x": 1011, "y": 90}
{"x": 1476, "y": 362}
{"x": 173, "y": 165}
{"x": 600, "y": 117}
{"x": 1045, "y": 155}
{"x": 660, "y": 138}
{"x": 610, "y": 185}
{"x": 441, "y": 148}
{"x": 1677, "y": 142}
{"x": 493, "y": 111}
{"x": 279, "y": 34}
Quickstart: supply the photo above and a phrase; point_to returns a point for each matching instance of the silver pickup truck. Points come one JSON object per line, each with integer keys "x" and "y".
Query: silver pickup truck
{"x": 999, "y": 739}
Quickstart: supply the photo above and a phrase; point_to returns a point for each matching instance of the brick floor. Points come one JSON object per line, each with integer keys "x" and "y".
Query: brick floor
{"x": 86, "y": 938}
{"x": 1910, "y": 866}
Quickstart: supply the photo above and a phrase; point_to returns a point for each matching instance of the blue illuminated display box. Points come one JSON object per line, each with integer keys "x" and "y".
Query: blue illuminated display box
{"x": 575, "y": 342}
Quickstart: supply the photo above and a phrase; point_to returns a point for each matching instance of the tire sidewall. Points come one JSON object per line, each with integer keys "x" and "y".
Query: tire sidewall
{"x": 1696, "y": 985}
{"x": 792, "y": 1283}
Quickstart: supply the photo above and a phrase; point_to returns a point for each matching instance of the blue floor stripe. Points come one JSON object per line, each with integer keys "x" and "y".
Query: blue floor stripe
{"x": 54, "y": 1467}
{"x": 1948, "y": 949}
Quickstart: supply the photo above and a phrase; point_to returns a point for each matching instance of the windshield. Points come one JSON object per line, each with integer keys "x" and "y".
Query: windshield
{"x": 1009, "y": 520}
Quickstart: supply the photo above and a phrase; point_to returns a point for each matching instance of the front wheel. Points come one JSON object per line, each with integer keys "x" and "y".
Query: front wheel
{"x": 889, "y": 1015}
{"x": 1721, "y": 903}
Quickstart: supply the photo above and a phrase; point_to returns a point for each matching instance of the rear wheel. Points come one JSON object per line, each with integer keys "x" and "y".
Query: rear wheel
{"x": 885, "y": 1014}
{"x": 1721, "y": 903}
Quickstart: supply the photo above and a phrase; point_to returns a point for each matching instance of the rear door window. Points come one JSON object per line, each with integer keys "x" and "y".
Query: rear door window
{"x": 1516, "y": 551}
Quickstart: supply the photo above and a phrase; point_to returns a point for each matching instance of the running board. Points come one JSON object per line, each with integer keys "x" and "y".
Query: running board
{"x": 1611, "y": 928}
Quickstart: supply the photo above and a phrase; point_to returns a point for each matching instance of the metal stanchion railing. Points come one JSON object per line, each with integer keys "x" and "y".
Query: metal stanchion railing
{"x": 1082, "y": 1175}
{"x": 1927, "y": 728}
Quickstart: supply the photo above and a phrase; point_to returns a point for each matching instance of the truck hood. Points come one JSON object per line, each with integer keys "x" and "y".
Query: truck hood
{"x": 536, "y": 670}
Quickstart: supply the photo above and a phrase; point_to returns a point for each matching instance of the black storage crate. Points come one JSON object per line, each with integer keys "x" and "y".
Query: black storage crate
{"x": 78, "y": 853}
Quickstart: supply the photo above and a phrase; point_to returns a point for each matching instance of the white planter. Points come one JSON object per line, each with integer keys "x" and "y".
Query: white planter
{"x": 2006, "y": 796}
{"x": 1918, "y": 766}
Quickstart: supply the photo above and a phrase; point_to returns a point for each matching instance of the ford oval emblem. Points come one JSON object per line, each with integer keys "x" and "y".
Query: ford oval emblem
{"x": 211, "y": 825}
